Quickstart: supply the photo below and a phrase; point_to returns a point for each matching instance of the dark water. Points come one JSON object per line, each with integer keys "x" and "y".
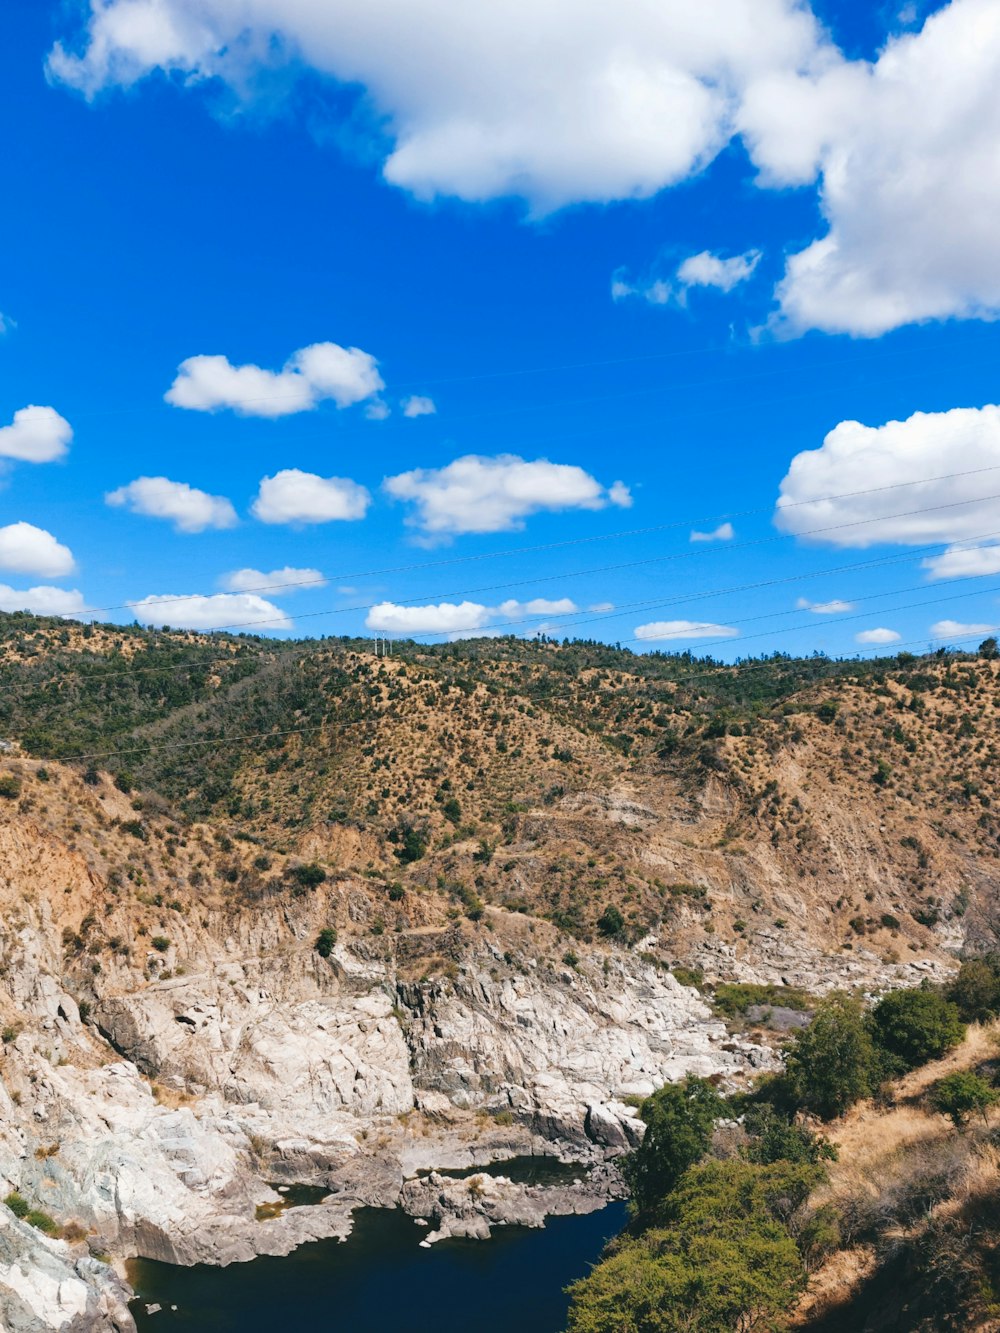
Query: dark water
{"x": 380, "y": 1281}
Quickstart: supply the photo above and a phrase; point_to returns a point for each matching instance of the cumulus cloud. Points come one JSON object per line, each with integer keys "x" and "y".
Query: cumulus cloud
{"x": 36, "y": 435}
{"x": 43, "y": 600}
{"x": 538, "y": 606}
{"x": 444, "y": 618}
{"x": 345, "y": 375}
{"x": 905, "y": 149}
{"x": 709, "y": 270}
{"x": 725, "y": 532}
{"x": 877, "y": 636}
{"x": 26, "y": 549}
{"x": 478, "y": 494}
{"x": 218, "y": 611}
{"x": 287, "y": 579}
{"x": 957, "y": 629}
{"x": 189, "y": 509}
{"x": 833, "y": 608}
{"x": 856, "y": 463}
{"x": 293, "y": 496}
{"x": 571, "y": 100}
{"x": 964, "y": 562}
{"x": 418, "y": 405}
{"x": 685, "y": 629}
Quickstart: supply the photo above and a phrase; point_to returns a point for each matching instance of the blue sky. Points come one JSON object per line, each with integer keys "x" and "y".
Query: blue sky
{"x": 454, "y": 288}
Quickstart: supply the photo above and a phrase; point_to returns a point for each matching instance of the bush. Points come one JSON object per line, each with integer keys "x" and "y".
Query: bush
{"x": 411, "y": 843}
{"x": 325, "y": 941}
{"x": 309, "y": 876}
{"x": 736, "y": 997}
{"x": 679, "y": 1122}
{"x": 774, "y": 1138}
{"x": 41, "y": 1221}
{"x": 831, "y": 1063}
{"x": 17, "y": 1204}
{"x": 976, "y": 989}
{"x": 10, "y": 787}
{"x": 916, "y": 1025}
{"x": 963, "y": 1094}
{"x": 611, "y": 923}
{"x": 724, "y": 1261}
{"x": 160, "y": 943}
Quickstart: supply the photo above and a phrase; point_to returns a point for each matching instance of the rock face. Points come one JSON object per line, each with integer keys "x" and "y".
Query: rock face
{"x": 48, "y": 1284}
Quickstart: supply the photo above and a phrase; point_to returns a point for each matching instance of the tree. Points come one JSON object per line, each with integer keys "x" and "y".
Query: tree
{"x": 325, "y": 941}
{"x": 963, "y": 1094}
{"x": 988, "y": 648}
{"x": 723, "y": 1262}
{"x": 611, "y": 922}
{"x": 976, "y": 989}
{"x": 916, "y": 1025}
{"x": 679, "y": 1122}
{"x": 831, "y": 1063}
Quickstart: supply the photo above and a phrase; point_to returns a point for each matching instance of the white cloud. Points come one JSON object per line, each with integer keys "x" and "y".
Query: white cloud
{"x": 877, "y": 636}
{"x": 218, "y": 611}
{"x": 322, "y": 371}
{"x": 445, "y": 618}
{"x": 685, "y": 629}
{"x": 556, "y": 101}
{"x": 725, "y": 532}
{"x": 833, "y": 608}
{"x": 956, "y": 629}
{"x": 856, "y": 463}
{"x": 602, "y": 606}
{"x": 478, "y": 494}
{"x": 287, "y": 579}
{"x": 418, "y": 405}
{"x": 30, "y": 550}
{"x": 36, "y": 435}
{"x": 293, "y": 496}
{"x": 538, "y": 606}
{"x": 189, "y": 509}
{"x": 42, "y": 601}
{"x": 906, "y": 151}
{"x": 708, "y": 270}
{"x": 964, "y": 562}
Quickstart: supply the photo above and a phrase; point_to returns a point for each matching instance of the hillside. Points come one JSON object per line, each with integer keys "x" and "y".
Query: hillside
{"x": 291, "y": 912}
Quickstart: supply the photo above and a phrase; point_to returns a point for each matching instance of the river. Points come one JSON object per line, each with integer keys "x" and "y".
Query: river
{"x": 381, "y": 1281}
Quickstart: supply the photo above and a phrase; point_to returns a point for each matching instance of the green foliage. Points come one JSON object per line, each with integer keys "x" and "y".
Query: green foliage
{"x": 828, "y": 710}
{"x": 325, "y": 942}
{"x": 735, "y": 998}
{"x": 411, "y": 842}
{"x": 832, "y": 1063}
{"x": 916, "y": 1025}
{"x": 724, "y": 1259}
{"x": 611, "y": 923}
{"x": 452, "y": 811}
{"x": 975, "y": 991}
{"x": 963, "y": 1094}
{"x": 10, "y": 787}
{"x": 160, "y": 943}
{"x": 773, "y": 1137}
{"x": 679, "y": 1121}
{"x": 42, "y": 1221}
{"x": 309, "y": 876}
{"x": 17, "y": 1204}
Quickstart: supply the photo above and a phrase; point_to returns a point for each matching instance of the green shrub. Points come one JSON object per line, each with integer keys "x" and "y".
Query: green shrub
{"x": 309, "y": 876}
{"x": 41, "y": 1221}
{"x": 976, "y": 989}
{"x": 735, "y": 998}
{"x": 10, "y": 787}
{"x": 773, "y": 1137}
{"x": 916, "y": 1025}
{"x": 325, "y": 942}
{"x": 963, "y": 1094}
{"x": 724, "y": 1260}
{"x": 679, "y": 1121}
{"x": 611, "y": 923}
{"x": 17, "y": 1204}
{"x": 160, "y": 943}
{"x": 831, "y": 1064}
